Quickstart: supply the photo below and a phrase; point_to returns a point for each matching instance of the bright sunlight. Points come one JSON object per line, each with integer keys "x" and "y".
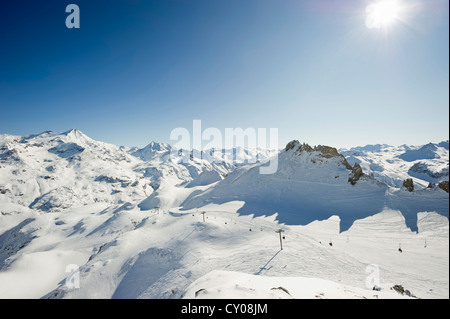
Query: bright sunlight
{"x": 382, "y": 14}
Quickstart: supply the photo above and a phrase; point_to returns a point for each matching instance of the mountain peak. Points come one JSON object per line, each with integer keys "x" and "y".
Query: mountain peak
{"x": 152, "y": 150}
{"x": 157, "y": 146}
{"x": 323, "y": 150}
{"x": 73, "y": 131}
{"x": 77, "y": 136}
{"x": 291, "y": 145}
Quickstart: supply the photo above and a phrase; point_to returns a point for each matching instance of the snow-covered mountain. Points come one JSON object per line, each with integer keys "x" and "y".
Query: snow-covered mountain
{"x": 173, "y": 173}
{"x": 392, "y": 165}
{"x": 170, "y": 161}
{"x": 316, "y": 183}
{"x": 138, "y": 223}
{"x": 160, "y": 160}
{"x": 56, "y": 171}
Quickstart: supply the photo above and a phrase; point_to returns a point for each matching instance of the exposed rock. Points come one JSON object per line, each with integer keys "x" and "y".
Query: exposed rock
{"x": 403, "y": 291}
{"x": 376, "y": 288}
{"x": 282, "y": 289}
{"x": 357, "y": 174}
{"x": 201, "y": 291}
{"x": 291, "y": 145}
{"x": 409, "y": 294}
{"x": 408, "y": 184}
{"x": 304, "y": 148}
{"x": 399, "y": 289}
{"x": 109, "y": 179}
{"x": 3, "y": 190}
{"x": 66, "y": 150}
{"x": 13, "y": 240}
{"x": 347, "y": 165}
{"x": 323, "y": 150}
{"x": 444, "y": 185}
{"x": 327, "y": 151}
{"x": 10, "y": 156}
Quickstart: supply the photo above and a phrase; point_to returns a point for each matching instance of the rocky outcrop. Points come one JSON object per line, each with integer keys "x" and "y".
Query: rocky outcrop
{"x": 109, "y": 179}
{"x": 357, "y": 173}
{"x": 305, "y": 148}
{"x": 444, "y": 185}
{"x": 402, "y": 291}
{"x": 66, "y": 150}
{"x": 9, "y": 156}
{"x": 408, "y": 184}
{"x": 298, "y": 147}
{"x": 291, "y": 145}
{"x": 14, "y": 240}
{"x": 323, "y": 150}
{"x": 4, "y": 190}
{"x": 327, "y": 152}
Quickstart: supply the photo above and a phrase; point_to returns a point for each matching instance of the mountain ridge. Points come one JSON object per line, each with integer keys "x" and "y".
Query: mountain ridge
{"x": 129, "y": 228}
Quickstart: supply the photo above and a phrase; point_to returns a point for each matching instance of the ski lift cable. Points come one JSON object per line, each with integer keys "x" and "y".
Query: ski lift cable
{"x": 379, "y": 239}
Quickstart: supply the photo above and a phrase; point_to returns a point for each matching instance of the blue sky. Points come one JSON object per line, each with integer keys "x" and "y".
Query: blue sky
{"x": 137, "y": 69}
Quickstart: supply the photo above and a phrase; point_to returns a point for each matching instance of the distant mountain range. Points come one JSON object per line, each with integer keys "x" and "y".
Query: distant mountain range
{"x": 141, "y": 223}
{"x": 55, "y": 171}
{"x": 392, "y": 165}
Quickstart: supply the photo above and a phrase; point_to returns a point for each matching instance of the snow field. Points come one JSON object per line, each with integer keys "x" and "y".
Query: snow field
{"x": 124, "y": 252}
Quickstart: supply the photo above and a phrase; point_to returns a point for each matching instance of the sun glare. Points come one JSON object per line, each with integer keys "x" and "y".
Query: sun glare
{"x": 382, "y": 14}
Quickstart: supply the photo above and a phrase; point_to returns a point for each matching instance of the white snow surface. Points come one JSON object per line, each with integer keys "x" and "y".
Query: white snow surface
{"x": 393, "y": 164}
{"x": 139, "y": 225}
{"x": 220, "y": 284}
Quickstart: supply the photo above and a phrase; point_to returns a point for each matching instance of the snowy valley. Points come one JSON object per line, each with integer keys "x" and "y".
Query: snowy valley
{"x": 85, "y": 219}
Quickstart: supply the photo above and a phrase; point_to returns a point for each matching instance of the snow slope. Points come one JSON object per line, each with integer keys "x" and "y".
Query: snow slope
{"x": 182, "y": 167}
{"x": 56, "y": 171}
{"x": 311, "y": 185}
{"x": 77, "y": 211}
{"x": 235, "y": 285}
{"x": 123, "y": 252}
{"x": 392, "y": 165}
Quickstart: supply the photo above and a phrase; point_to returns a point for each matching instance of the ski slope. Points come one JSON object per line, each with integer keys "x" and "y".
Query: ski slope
{"x": 311, "y": 185}
{"x": 85, "y": 219}
{"x": 124, "y": 252}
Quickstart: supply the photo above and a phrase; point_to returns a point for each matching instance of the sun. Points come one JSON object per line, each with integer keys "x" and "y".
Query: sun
{"x": 382, "y": 14}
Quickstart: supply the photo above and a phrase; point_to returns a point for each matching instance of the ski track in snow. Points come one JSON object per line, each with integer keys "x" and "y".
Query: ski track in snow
{"x": 167, "y": 252}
